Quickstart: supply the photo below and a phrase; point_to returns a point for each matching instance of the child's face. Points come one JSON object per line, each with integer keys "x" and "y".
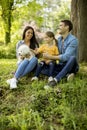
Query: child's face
{"x": 48, "y": 39}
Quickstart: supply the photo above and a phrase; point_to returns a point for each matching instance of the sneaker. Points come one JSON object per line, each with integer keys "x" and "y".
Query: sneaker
{"x": 50, "y": 79}
{"x": 8, "y": 81}
{"x": 13, "y": 83}
{"x": 34, "y": 78}
{"x": 52, "y": 83}
{"x": 70, "y": 77}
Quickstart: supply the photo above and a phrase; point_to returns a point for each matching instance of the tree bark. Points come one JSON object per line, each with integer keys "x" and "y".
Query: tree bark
{"x": 74, "y": 16}
{"x": 7, "y": 26}
{"x": 7, "y": 15}
{"x": 83, "y": 30}
{"x": 79, "y": 19}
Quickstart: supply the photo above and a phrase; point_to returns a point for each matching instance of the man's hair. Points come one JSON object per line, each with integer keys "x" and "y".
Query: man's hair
{"x": 68, "y": 23}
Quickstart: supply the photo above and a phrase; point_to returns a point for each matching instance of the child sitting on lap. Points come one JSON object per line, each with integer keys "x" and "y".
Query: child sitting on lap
{"x": 51, "y": 48}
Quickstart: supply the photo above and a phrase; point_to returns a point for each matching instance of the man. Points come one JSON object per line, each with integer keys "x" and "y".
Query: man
{"x": 68, "y": 54}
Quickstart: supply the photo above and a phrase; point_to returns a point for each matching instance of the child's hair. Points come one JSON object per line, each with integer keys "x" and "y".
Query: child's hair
{"x": 51, "y": 34}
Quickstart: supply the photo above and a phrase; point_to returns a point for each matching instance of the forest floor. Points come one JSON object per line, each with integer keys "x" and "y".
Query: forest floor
{"x": 31, "y": 107}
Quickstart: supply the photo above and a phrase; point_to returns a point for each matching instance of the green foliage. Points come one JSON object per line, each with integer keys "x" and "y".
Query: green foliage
{"x": 26, "y": 119}
{"x": 26, "y": 13}
{"x": 6, "y": 6}
{"x": 62, "y": 13}
{"x": 8, "y": 51}
{"x": 15, "y": 15}
{"x": 30, "y": 107}
{"x": 75, "y": 102}
{"x": 54, "y": 12}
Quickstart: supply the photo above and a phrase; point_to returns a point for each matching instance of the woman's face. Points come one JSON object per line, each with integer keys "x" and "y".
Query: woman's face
{"x": 29, "y": 34}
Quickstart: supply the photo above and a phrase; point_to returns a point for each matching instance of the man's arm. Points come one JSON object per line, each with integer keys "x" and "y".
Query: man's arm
{"x": 71, "y": 50}
{"x": 50, "y": 57}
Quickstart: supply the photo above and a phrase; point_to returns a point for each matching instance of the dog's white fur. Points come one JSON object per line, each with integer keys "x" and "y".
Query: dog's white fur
{"x": 24, "y": 50}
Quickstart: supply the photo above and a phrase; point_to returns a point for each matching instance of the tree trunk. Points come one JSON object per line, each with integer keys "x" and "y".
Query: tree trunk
{"x": 83, "y": 30}
{"x": 8, "y": 29}
{"x": 7, "y": 15}
{"x": 74, "y": 16}
{"x": 79, "y": 19}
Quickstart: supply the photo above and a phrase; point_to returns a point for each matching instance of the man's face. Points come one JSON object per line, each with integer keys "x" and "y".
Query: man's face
{"x": 63, "y": 28}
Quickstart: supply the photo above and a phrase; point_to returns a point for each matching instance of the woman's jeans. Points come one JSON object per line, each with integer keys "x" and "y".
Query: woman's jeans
{"x": 62, "y": 69}
{"x": 25, "y": 67}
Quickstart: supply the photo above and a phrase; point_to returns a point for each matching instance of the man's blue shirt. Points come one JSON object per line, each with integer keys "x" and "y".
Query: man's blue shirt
{"x": 68, "y": 48}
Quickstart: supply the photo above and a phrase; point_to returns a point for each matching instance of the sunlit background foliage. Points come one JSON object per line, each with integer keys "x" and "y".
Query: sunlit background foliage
{"x": 44, "y": 13}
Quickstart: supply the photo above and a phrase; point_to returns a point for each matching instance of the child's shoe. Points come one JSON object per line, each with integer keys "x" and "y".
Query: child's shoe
{"x": 34, "y": 78}
{"x": 50, "y": 79}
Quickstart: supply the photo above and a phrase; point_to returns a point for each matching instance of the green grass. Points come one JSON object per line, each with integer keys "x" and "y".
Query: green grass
{"x": 30, "y": 107}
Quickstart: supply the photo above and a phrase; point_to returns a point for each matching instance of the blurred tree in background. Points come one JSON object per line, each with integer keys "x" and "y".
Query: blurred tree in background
{"x": 6, "y": 6}
{"x": 15, "y": 14}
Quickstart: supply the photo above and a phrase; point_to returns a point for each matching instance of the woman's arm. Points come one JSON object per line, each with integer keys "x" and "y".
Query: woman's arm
{"x": 35, "y": 51}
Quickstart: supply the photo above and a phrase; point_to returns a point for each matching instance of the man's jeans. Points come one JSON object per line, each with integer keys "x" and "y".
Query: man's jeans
{"x": 25, "y": 67}
{"x": 62, "y": 69}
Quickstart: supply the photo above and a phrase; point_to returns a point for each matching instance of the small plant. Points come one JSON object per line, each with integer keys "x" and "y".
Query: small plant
{"x": 26, "y": 120}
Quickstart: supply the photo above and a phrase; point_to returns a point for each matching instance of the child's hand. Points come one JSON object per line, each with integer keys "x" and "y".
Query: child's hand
{"x": 46, "y": 56}
{"x": 47, "y": 61}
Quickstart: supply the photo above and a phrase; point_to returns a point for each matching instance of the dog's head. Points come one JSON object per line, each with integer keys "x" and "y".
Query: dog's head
{"x": 23, "y": 50}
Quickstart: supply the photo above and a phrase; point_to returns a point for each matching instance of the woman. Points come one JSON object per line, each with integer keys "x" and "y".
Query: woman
{"x": 26, "y": 65}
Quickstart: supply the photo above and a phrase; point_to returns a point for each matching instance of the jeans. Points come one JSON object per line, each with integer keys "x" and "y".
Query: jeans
{"x": 25, "y": 67}
{"x": 41, "y": 65}
{"x": 62, "y": 69}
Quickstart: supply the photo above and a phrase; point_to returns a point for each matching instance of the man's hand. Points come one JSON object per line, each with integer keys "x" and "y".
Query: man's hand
{"x": 50, "y": 57}
{"x": 46, "y": 56}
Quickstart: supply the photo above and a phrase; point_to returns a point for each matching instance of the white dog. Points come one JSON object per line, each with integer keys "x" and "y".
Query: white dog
{"x": 24, "y": 52}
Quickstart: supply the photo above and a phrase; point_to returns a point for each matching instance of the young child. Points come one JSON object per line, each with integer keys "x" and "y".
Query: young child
{"x": 51, "y": 48}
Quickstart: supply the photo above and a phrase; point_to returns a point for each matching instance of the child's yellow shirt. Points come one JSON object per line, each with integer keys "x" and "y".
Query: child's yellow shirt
{"x": 45, "y": 48}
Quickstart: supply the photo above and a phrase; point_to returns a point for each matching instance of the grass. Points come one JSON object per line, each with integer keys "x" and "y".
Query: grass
{"x": 30, "y": 107}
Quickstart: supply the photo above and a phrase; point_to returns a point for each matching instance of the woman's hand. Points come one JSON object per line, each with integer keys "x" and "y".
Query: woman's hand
{"x": 22, "y": 57}
{"x": 34, "y": 51}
